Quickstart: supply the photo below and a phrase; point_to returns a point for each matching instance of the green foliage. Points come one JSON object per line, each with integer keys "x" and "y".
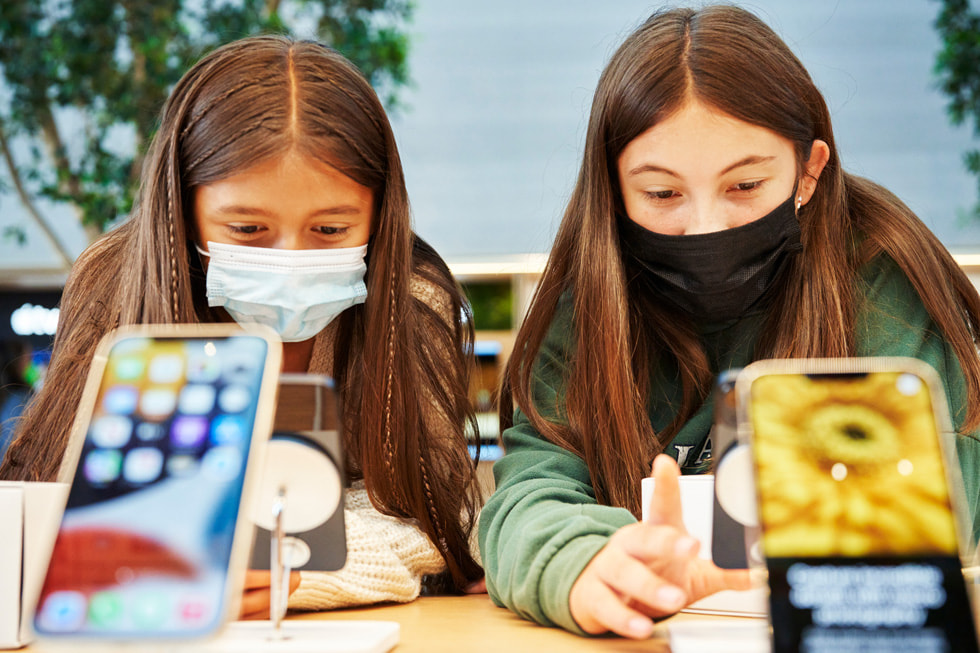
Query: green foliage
{"x": 15, "y": 233}
{"x": 492, "y": 304}
{"x": 109, "y": 65}
{"x": 958, "y": 69}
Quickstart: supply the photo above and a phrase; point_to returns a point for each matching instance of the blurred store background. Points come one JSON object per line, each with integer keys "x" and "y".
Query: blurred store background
{"x": 490, "y": 125}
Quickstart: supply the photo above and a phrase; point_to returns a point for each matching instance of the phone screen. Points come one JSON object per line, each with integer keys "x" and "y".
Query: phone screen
{"x": 857, "y": 525}
{"x": 145, "y": 542}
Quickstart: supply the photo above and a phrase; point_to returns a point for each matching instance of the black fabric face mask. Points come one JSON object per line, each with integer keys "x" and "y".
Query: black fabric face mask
{"x": 718, "y": 276}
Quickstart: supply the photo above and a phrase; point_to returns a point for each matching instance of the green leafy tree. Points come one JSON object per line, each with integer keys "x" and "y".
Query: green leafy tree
{"x": 105, "y": 67}
{"x": 958, "y": 69}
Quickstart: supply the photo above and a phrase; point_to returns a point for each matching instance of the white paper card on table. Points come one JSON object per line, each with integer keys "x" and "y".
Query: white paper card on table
{"x": 29, "y": 518}
{"x": 729, "y": 636}
{"x": 697, "y": 508}
{"x": 339, "y": 636}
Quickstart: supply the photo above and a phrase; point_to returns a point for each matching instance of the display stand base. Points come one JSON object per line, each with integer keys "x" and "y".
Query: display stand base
{"x": 306, "y": 637}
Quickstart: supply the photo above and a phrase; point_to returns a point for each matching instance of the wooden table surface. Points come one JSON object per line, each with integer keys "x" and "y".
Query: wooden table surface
{"x": 473, "y": 623}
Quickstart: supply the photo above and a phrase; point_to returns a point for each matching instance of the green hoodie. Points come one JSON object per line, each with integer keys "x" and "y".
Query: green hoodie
{"x": 542, "y": 525}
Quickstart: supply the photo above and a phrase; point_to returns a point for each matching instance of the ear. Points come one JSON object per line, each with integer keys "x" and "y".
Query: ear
{"x": 819, "y": 155}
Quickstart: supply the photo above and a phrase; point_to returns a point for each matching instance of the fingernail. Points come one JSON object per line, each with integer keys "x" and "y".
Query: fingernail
{"x": 640, "y": 627}
{"x": 685, "y": 546}
{"x": 670, "y": 598}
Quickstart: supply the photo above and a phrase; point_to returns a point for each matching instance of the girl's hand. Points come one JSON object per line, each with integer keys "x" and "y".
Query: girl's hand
{"x": 649, "y": 569}
{"x": 256, "y": 598}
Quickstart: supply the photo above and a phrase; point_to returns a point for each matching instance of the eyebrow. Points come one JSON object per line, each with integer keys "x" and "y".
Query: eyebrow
{"x": 753, "y": 159}
{"x": 236, "y": 209}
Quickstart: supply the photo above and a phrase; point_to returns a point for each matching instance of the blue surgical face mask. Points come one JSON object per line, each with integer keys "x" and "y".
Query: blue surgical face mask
{"x": 296, "y": 292}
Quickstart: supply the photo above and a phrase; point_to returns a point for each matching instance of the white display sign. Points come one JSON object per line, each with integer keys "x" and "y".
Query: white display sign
{"x": 34, "y": 320}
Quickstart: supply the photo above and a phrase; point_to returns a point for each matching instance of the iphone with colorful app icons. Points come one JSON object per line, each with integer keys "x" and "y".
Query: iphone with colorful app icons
{"x": 166, "y": 444}
{"x": 860, "y": 505}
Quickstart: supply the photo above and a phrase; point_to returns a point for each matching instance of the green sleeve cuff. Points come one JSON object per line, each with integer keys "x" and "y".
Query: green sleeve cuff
{"x": 571, "y": 553}
{"x": 561, "y": 573}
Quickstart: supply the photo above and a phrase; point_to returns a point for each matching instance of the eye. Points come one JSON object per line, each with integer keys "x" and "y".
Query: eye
{"x": 746, "y": 186}
{"x": 245, "y": 229}
{"x": 327, "y": 230}
{"x": 660, "y": 194}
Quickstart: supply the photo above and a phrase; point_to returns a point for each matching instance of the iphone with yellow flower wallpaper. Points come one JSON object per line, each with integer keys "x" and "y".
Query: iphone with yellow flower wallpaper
{"x": 858, "y": 496}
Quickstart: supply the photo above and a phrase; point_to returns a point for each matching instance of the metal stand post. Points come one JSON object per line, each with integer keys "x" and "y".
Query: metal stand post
{"x": 279, "y": 566}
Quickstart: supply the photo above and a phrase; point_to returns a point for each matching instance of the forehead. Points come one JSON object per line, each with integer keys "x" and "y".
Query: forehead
{"x": 292, "y": 177}
{"x": 290, "y": 163}
{"x": 698, "y": 138}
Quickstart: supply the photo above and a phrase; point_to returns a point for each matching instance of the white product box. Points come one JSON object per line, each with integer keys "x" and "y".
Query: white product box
{"x": 30, "y": 514}
{"x": 697, "y": 509}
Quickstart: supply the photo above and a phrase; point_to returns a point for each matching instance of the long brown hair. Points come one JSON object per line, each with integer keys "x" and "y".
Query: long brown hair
{"x": 402, "y": 367}
{"x": 728, "y": 59}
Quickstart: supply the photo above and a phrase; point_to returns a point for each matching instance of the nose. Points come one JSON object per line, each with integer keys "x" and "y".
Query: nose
{"x": 705, "y": 218}
{"x": 289, "y": 240}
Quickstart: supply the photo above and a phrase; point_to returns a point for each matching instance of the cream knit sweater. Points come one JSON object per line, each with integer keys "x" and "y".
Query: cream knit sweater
{"x": 386, "y": 559}
{"x": 386, "y": 556}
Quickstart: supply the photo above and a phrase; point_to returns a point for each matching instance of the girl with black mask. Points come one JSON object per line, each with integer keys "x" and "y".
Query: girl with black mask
{"x": 711, "y": 226}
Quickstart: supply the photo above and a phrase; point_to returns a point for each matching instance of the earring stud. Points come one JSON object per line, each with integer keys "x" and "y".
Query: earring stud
{"x": 799, "y": 202}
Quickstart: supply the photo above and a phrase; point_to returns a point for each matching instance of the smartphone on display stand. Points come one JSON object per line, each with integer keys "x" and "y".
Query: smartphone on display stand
{"x": 306, "y": 452}
{"x": 166, "y": 444}
{"x": 859, "y": 499}
{"x": 735, "y": 526}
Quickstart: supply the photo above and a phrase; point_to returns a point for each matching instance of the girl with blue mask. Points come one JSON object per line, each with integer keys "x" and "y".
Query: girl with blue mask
{"x": 273, "y": 193}
{"x": 711, "y": 225}
{"x": 284, "y": 245}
